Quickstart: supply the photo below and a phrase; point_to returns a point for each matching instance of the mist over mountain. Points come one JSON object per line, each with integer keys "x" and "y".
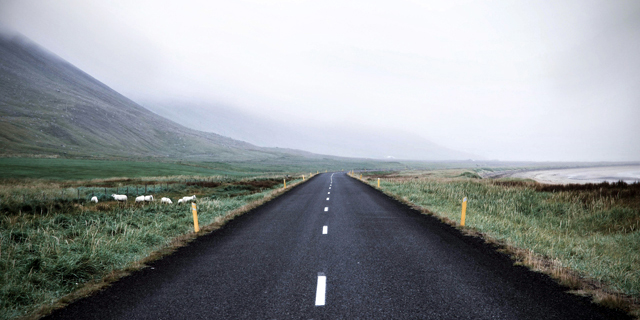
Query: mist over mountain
{"x": 346, "y": 139}
{"x": 50, "y": 107}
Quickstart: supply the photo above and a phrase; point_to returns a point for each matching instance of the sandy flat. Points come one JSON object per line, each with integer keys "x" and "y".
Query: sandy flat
{"x": 627, "y": 174}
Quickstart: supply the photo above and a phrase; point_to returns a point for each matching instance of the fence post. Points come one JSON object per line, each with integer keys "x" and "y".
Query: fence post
{"x": 464, "y": 211}
{"x": 196, "y": 228}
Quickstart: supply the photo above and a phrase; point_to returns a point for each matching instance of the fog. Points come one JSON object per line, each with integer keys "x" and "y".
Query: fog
{"x": 538, "y": 80}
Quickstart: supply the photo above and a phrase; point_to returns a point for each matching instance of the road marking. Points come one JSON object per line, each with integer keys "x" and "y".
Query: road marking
{"x": 325, "y": 230}
{"x": 326, "y": 209}
{"x": 329, "y": 192}
{"x": 321, "y": 290}
{"x": 329, "y": 188}
{"x": 327, "y": 199}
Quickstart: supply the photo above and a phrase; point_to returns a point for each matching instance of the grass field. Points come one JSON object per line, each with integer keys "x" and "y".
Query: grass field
{"x": 79, "y": 169}
{"x": 84, "y": 169}
{"x": 50, "y": 248}
{"x": 593, "y": 230}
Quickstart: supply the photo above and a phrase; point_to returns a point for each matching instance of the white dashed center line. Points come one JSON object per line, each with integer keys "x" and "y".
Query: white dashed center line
{"x": 329, "y": 192}
{"x": 326, "y": 209}
{"x": 325, "y": 229}
{"x": 327, "y": 199}
{"x": 321, "y": 290}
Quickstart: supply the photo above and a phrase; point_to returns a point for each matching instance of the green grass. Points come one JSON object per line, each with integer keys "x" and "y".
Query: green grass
{"x": 51, "y": 248}
{"x": 594, "y": 230}
{"x": 78, "y": 169}
{"x": 85, "y": 169}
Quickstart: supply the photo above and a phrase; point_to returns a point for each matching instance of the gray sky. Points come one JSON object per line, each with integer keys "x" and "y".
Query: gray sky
{"x": 508, "y": 80}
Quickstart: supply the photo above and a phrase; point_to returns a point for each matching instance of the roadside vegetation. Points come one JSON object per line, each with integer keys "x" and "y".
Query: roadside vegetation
{"x": 585, "y": 236}
{"x": 54, "y": 241}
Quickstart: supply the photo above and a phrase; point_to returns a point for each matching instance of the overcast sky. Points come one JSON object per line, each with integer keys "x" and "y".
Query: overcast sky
{"x": 508, "y": 80}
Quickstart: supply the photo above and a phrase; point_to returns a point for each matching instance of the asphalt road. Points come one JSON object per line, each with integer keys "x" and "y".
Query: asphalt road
{"x": 378, "y": 260}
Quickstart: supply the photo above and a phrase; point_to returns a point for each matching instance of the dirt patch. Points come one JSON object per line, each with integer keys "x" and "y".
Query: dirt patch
{"x": 252, "y": 184}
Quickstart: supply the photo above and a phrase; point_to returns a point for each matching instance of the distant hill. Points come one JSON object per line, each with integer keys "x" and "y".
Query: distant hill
{"x": 343, "y": 140}
{"x": 50, "y": 107}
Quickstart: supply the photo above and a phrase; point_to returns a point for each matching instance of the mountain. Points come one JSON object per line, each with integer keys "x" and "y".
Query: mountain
{"x": 50, "y": 107}
{"x": 341, "y": 140}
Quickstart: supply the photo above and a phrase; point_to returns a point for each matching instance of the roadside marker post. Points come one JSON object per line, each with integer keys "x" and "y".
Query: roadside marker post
{"x": 378, "y": 182}
{"x": 303, "y": 177}
{"x": 196, "y": 228}
{"x": 285, "y": 183}
{"x": 464, "y": 211}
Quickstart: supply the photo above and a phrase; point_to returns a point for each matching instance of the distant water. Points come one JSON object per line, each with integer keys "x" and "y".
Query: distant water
{"x": 628, "y": 174}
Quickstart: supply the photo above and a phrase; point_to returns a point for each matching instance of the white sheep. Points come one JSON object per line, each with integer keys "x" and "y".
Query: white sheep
{"x": 148, "y": 198}
{"x": 185, "y": 199}
{"x": 140, "y": 199}
{"x": 119, "y": 197}
{"x": 180, "y": 201}
{"x": 166, "y": 200}
{"x": 94, "y": 199}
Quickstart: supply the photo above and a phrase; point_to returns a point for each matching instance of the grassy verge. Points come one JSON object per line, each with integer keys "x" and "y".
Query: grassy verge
{"x": 70, "y": 248}
{"x": 587, "y": 237}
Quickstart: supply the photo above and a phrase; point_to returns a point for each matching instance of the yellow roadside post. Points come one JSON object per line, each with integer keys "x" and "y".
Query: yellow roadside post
{"x": 326, "y": 171}
{"x": 195, "y": 217}
{"x": 464, "y": 211}
{"x": 303, "y": 177}
{"x": 285, "y": 183}
{"x": 378, "y": 182}
{"x": 361, "y": 177}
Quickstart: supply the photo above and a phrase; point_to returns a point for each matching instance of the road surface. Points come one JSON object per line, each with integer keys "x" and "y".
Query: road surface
{"x": 334, "y": 248}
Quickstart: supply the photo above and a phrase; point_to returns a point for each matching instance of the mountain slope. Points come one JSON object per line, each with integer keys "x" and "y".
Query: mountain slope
{"x": 48, "y": 106}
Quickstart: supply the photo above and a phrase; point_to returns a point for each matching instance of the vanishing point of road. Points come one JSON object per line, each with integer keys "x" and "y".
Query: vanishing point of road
{"x": 335, "y": 248}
